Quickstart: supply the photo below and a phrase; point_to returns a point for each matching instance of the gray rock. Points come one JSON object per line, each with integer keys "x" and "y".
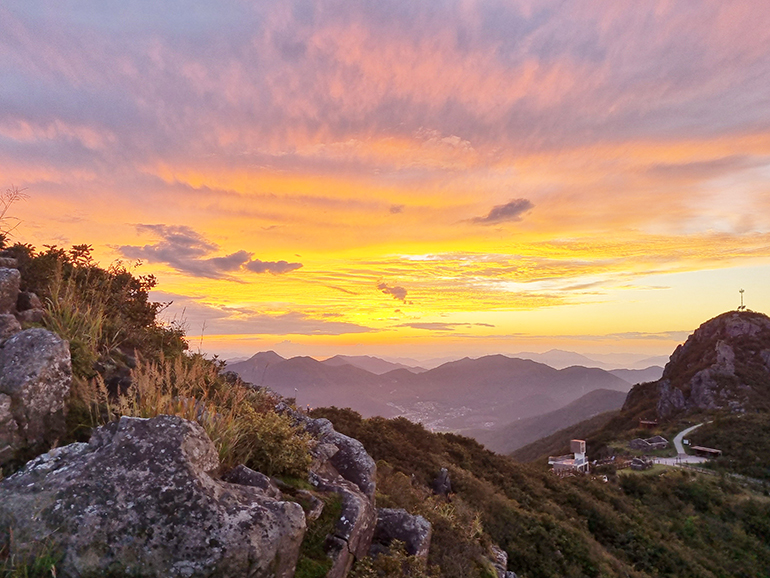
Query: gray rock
{"x": 36, "y": 373}
{"x": 499, "y": 561}
{"x": 10, "y": 281}
{"x": 353, "y": 532}
{"x": 30, "y": 316}
{"x": 670, "y": 399}
{"x": 9, "y": 431}
{"x": 725, "y": 357}
{"x": 248, "y": 477}
{"x": 342, "y": 466}
{"x": 315, "y": 506}
{"x": 9, "y": 325}
{"x": 140, "y": 499}
{"x": 442, "y": 485}
{"x": 350, "y": 460}
{"x": 8, "y": 262}
{"x": 398, "y": 524}
{"x": 28, "y": 300}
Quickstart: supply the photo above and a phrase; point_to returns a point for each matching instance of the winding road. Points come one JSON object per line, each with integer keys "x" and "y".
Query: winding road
{"x": 682, "y": 457}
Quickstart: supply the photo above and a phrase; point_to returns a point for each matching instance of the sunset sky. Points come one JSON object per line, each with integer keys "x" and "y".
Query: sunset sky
{"x": 402, "y": 178}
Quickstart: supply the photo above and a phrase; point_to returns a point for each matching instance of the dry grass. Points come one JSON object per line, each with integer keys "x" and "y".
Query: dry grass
{"x": 239, "y": 419}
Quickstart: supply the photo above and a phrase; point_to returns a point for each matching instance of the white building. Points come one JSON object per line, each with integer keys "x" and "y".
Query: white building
{"x": 574, "y": 462}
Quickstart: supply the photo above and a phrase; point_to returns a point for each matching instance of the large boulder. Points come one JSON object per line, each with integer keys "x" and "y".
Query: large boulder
{"x": 9, "y": 431}
{"x": 398, "y": 524}
{"x": 141, "y": 498}
{"x": 35, "y": 375}
{"x": 499, "y": 559}
{"x": 353, "y": 532}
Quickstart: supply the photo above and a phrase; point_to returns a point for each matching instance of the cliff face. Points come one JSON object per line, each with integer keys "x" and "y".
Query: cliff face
{"x": 723, "y": 365}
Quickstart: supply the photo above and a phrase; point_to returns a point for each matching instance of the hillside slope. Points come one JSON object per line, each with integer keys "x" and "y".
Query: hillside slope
{"x": 675, "y": 526}
{"x": 558, "y": 442}
{"x": 519, "y": 433}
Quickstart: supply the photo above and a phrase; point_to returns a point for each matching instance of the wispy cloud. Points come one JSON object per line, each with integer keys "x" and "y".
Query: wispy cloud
{"x": 224, "y": 320}
{"x": 274, "y": 267}
{"x": 442, "y": 327}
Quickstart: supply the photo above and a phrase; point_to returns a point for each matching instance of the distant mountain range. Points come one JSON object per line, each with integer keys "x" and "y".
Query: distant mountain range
{"x": 371, "y": 364}
{"x": 468, "y": 393}
{"x": 560, "y": 359}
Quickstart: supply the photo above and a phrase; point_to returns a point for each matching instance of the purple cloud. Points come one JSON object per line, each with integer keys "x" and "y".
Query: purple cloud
{"x": 274, "y": 267}
{"x": 396, "y": 292}
{"x": 188, "y": 251}
{"x": 511, "y": 211}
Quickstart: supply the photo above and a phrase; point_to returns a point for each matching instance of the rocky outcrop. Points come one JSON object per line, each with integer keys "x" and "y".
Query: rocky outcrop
{"x": 9, "y": 325}
{"x": 499, "y": 559}
{"x": 142, "y": 498}
{"x": 341, "y": 465}
{"x": 248, "y": 477}
{"x": 29, "y": 308}
{"x": 17, "y": 308}
{"x": 350, "y": 459}
{"x": 723, "y": 365}
{"x": 35, "y": 379}
{"x": 397, "y": 524}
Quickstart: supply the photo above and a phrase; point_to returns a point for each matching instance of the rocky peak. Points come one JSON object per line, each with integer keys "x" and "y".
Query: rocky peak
{"x": 724, "y": 364}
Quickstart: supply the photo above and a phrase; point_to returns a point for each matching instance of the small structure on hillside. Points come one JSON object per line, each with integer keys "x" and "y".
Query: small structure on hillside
{"x": 653, "y": 443}
{"x": 640, "y": 464}
{"x": 647, "y": 424}
{"x": 571, "y": 463}
{"x": 706, "y": 452}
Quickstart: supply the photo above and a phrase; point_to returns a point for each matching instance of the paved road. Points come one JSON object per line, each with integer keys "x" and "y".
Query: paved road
{"x": 682, "y": 458}
{"x": 680, "y": 436}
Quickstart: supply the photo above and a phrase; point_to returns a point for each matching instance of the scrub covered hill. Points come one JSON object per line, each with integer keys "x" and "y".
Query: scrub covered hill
{"x": 679, "y": 524}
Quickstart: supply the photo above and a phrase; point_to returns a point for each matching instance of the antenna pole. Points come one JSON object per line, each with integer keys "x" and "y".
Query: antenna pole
{"x": 742, "y": 307}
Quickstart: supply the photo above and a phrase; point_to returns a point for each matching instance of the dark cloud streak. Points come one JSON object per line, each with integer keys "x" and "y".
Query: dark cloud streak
{"x": 187, "y": 251}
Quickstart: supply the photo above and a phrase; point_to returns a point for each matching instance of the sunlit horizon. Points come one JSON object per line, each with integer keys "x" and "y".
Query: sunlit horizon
{"x": 405, "y": 180}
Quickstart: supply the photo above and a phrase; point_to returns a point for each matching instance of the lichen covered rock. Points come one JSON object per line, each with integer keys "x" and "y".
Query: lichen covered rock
{"x": 35, "y": 374}
{"x": 342, "y": 466}
{"x": 398, "y": 524}
{"x": 142, "y": 498}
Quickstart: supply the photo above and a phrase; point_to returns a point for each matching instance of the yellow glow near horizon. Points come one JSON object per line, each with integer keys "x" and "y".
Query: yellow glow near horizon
{"x": 404, "y": 180}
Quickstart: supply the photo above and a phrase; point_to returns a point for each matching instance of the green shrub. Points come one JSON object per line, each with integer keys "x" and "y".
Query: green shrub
{"x": 395, "y": 564}
{"x": 99, "y": 310}
{"x": 38, "y": 562}
{"x": 313, "y": 561}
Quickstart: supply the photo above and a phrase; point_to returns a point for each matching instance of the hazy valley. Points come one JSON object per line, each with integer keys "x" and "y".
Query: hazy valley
{"x": 504, "y": 402}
